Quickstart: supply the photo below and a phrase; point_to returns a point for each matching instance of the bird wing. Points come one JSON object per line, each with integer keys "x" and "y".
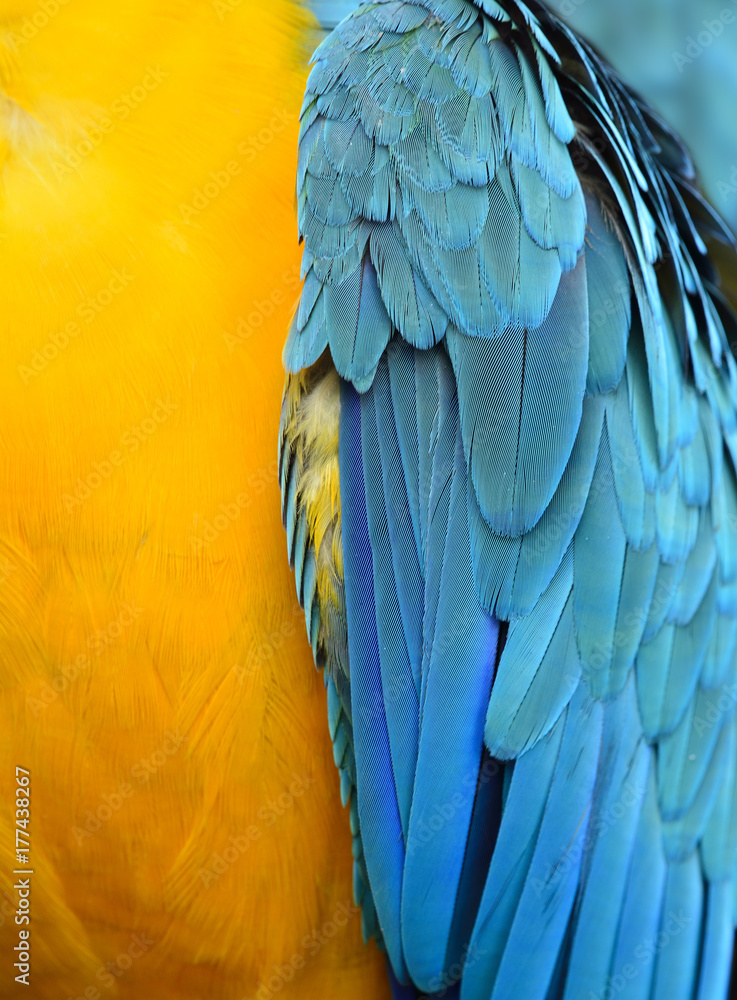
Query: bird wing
{"x": 509, "y": 301}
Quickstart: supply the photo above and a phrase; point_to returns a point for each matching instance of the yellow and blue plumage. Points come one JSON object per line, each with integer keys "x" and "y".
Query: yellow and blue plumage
{"x": 512, "y": 303}
{"x": 155, "y": 681}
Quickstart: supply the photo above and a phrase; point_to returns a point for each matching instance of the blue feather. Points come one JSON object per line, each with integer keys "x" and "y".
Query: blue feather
{"x": 724, "y": 516}
{"x": 403, "y": 541}
{"x": 391, "y": 98}
{"x": 680, "y": 926}
{"x": 453, "y": 218}
{"x": 399, "y": 16}
{"x": 412, "y": 308}
{"x": 668, "y": 668}
{"x": 437, "y": 425}
{"x": 481, "y": 301}
{"x": 547, "y": 898}
{"x": 641, "y": 409}
{"x": 720, "y": 837}
{"x": 682, "y": 835}
{"x": 521, "y": 397}
{"x": 643, "y": 901}
{"x": 373, "y": 193}
{"x": 551, "y": 157}
{"x": 401, "y": 364}
{"x": 697, "y": 574}
{"x": 524, "y": 807}
{"x": 347, "y": 146}
{"x": 378, "y": 810}
{"x": 607, "y": 855}
{"x": 357, "y": 324}
{"x": 610, "y": 294}
{"x": 637, "y": 595}
{"x": 399, "y": 695}
{"x": 512, "y": 573}
{"x": 600, "y": 542}
{"x": 304, "y": 347}
{"x": 716, "y": 959}
{"x": 327, "y": 201}
{"x": 552, "y": 222}
{"x": 693, "y": 470}
{"x": 538, "y": 671}
{"x": 506, "y": 252}
{"x": 460, "y": 674}
{"x": 470, "y": 64}
{"x": 676, "y": 524}
{"x": 556, "y": 111}
{"x": 416, "y": 162}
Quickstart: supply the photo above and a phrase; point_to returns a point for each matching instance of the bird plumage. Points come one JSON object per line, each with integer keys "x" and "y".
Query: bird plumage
{"x": 507, "y": 264}
{"x": 154, "y": 679}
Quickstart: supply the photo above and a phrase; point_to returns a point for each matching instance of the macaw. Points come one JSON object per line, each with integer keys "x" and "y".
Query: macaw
{"x": 508, "y": 448}
{"x": 185, "y": 831}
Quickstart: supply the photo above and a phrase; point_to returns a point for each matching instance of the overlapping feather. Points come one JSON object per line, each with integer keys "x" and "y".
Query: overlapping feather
{"x": 541, "y": 460}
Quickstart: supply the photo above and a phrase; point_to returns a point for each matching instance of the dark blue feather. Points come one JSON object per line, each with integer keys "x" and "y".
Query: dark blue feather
{"x": 398, "y": 698}
{"x": 460, "y": 673}
{"x": 378, "y": 810}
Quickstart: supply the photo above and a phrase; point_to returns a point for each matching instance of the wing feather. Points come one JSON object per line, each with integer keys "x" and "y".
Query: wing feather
{"x": 531, "y": 660}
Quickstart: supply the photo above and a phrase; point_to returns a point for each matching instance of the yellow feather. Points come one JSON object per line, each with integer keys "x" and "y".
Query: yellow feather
{"x": 154, "y": 674}
{"x": 312, "y": 413}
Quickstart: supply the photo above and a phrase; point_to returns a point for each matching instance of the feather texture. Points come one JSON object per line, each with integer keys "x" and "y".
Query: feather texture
{"x": 155, "y": 680}
{"x": 544, "y": 577}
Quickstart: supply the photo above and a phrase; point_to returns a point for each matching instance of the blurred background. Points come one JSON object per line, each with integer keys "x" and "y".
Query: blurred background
{"x": 679, "y": 54}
